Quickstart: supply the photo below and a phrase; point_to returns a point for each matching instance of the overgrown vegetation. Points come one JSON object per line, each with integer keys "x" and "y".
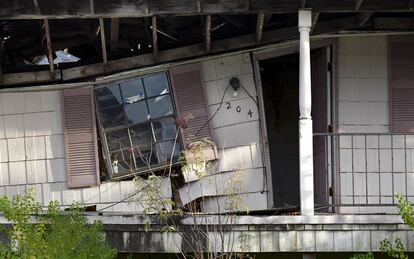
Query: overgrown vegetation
{"x": 198, "y": 237}
{"x": 54, "y": 234}
{"x": 397, "y": 249}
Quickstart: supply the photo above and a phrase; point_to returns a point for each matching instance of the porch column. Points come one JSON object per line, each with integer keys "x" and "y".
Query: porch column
{"x": 305, "y": 119}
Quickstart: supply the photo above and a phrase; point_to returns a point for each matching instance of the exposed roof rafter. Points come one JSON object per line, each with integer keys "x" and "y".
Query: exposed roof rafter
{"x": 315, "y": 17}
{"x": 1, "y": 57}
{"x": 145, "y": 8}
{"x": 357, "y": 4}
{"x": 259, "y": 27}
{"x": 114, "y": 34}
{"x": 207, "y": 32}
{"x": 364, "y": 17}
{"x": 187, "y": 52}
{"x": 49, "y": 46}
{"x": 103, "y": 41}
{"x": 154, "y": 36}
{"x": 92, "y": 6}
{"x": 36, "y": 7}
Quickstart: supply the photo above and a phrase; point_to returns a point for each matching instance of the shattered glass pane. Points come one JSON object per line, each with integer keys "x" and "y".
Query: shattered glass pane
{"x": 164, "y": 129}
{"x": 136, "y": 112}
{"x": 156, "y": 85}
{"x": 122, "y": 161}
{"x": 141, "y": 135}
{"x": 110, "y": 106}
{"x": 160, "y": 106}
{"x": 146, "y": 156}
{"x": 132, "y": 91}
{"x": 165, "y": 150}
{"x": 118, "y": 139}
{"x": 143, "y": 108}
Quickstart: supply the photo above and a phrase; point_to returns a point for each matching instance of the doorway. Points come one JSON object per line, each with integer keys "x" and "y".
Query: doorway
{"x": 280, "y": 91}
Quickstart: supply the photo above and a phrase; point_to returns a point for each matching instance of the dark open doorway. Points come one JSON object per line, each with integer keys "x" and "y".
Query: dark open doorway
{"x": 280, "y": 87}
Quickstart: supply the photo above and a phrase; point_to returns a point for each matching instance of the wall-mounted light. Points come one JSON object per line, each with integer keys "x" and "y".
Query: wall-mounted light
{"x": 235, "y": 84}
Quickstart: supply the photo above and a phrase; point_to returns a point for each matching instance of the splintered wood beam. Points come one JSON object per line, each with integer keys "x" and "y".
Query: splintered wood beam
{"x": 49, "y": 46}
{"x": 259, "y": 27}
{"x": 393, "y": 23}
{"x": 103, "y": 43}
{"x": 92, "y": 6}
{"x": 245, "y": 42}
{"x": 114, "y": 34}
{"x": 315, "y": 17}
{"x": 357, "y": 4}
{"x": 16, "y": 9}
{"x": 154, "y": 36}
{"x": 247, "y": 5}
{"x": 1, "y": 58}
{"x": 198, "y": 6}
{"x": 363, "y": 18}
{"x": 36, "y": 7}
{"x": 207, "y": 32}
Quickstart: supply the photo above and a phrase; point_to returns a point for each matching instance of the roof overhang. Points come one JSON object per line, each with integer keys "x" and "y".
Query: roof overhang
{"x": 113, "y": 35}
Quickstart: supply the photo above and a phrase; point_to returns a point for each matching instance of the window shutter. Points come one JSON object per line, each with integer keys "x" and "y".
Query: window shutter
{"x": 402, "y": 84}
{"x": 190, "y": 99}
{"x": 80, "y": 137}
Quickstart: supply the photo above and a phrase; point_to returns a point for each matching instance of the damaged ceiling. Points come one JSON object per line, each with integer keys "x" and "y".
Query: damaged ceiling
{"x": 96, "y": 37}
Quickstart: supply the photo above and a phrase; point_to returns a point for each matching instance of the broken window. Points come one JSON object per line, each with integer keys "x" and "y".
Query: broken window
{"x": 137, "y": 120}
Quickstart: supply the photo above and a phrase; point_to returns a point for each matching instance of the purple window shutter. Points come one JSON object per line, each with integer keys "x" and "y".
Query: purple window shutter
{"x": 402, "y": 84}
{"x": 80, "y": 137}
{"x": 190, "y": 99}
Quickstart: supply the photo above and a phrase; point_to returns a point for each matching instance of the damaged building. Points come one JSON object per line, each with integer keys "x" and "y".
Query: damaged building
{"x": 304, "y": 108}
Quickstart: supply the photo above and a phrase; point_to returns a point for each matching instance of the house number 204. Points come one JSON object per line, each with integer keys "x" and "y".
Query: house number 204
{"x": 238, "y": 109}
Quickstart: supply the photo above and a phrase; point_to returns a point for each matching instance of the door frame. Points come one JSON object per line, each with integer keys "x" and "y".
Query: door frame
{"x": 278, "y": 51}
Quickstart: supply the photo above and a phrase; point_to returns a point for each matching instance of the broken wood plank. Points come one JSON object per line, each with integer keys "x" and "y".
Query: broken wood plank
{"x": 30, "y": 77}
{"x": 259, "y": 27}
{"x": 207, "y": 32}
{"x": 393, "y": 23}
{"x": 154, "y": 36}
{"x": 197, "y": 50}
{"x": 357, "y": 4}
{"x": 198, "y": 5}
{"x": 315, "y": 17}
{"x": 103, "y": 42}
{"x": 116, "y": 8}
{"x": 92, "y": 6}
{"x": 1, "y": 58}
{"x": 49, "y": 46}
{"x": 114, "y": 34}
{"x": 364, "y": 17}
{"x": 247, "y": 5}
{"x": 219, "y": 46}
{"x": 36, "y": 7}
{"x": 223, "y": 6}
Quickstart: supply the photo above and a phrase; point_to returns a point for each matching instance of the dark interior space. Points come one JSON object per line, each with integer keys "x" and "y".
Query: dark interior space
{"x": 280, "y": 82}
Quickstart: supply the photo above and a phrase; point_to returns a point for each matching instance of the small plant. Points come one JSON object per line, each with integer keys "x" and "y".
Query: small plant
{"x": 153, "y": 201}
{"x": 363, "y": 256}
{"x": 54, "y": 234}
{"x": 406, "y": 211}
{"x": 397, "y": 250}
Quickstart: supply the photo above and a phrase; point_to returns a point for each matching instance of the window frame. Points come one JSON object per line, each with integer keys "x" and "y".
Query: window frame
{"x": 106, "y": 152}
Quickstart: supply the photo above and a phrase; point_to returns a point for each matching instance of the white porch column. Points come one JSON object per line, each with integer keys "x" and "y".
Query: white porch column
{"x": 305, "y": 119}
